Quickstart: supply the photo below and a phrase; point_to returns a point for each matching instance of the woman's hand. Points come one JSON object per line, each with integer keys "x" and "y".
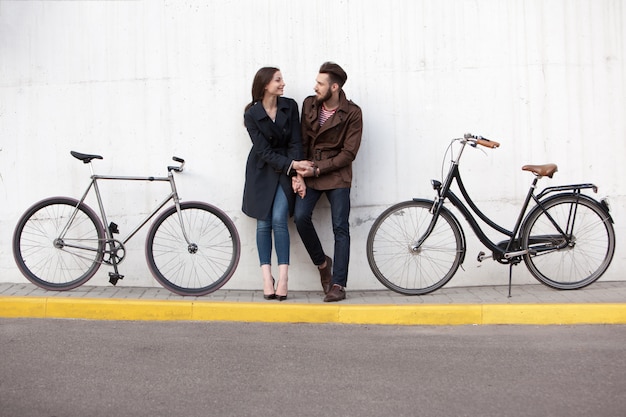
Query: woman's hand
{"x": 298, "y": 185}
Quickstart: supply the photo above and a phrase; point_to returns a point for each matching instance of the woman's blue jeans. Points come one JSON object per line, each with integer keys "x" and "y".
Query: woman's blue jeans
{"x": 339, "y": 200}
{"x": 278, "y": 224}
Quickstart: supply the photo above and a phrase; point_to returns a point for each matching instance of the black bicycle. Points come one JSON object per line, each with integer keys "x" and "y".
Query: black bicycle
{"x": 566, "y": 239}
{"x": 192, "y": 248}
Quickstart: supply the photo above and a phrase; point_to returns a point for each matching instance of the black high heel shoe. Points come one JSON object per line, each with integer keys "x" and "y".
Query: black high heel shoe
{"x": 281, "y": 297}
{"x": 271, "y": 296}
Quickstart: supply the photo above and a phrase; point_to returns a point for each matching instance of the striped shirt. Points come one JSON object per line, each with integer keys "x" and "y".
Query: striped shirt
{"x": 325, "y": 114}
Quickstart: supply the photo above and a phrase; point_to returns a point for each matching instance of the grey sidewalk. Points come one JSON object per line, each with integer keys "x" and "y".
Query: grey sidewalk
{"x": 599, "y": 292}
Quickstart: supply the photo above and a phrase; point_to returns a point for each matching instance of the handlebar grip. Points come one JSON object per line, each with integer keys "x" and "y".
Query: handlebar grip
{"x": 488, "y": 143}
{"x": 178, "y": 168}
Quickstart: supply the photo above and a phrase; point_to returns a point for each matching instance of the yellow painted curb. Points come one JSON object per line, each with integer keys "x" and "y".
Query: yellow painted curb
{"x": 601, "y": 313}
{"x": 121, "y": 309}
{"x": 435, "y": 314}
{"x": 32, "y": 307}
{"x": 265, "y": 312}
{"x": 422, "y": 314}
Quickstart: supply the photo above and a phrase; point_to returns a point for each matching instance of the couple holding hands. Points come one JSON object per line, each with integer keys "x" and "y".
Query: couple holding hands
{"x": 306, "y": 157}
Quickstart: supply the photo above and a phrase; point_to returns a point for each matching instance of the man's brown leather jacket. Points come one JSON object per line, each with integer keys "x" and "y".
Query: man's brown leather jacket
{"x": 334, "y": 145}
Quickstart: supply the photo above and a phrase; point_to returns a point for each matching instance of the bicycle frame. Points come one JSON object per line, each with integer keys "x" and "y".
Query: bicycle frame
{"x": 508, "y": 250}
{"x": 110, "y": 229}
{"x": 94, "y": 183}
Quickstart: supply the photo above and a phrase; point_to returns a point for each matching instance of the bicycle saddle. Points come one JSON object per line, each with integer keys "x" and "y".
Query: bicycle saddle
{"x": 546, "y": 170}
{"x": 86, "y": 158}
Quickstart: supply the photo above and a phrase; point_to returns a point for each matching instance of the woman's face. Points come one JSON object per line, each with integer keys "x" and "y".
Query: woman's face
{"x": 276, "y": 86}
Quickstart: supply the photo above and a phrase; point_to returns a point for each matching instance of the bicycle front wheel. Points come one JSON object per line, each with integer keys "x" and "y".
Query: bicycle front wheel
{"x": 400, "y": 267}
{"x": 58, "y": 243}
{"x": 580, "y": 256}
{"x": 197, "y": 256}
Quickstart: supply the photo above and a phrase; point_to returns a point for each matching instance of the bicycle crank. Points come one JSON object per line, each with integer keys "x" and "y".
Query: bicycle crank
{"x": 115, "y": 254}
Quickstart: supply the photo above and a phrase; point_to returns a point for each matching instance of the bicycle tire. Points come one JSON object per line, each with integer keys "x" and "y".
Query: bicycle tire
{"x": 419, "y": 272}
{"x": 49, "y": 262}
{"x": 191, "y": 270}
{"x": 580, "y": 263}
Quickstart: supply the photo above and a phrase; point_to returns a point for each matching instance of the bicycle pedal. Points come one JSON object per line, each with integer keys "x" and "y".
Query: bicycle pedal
{"x": 113, "y": 277}
{"x": 482, "y": 256}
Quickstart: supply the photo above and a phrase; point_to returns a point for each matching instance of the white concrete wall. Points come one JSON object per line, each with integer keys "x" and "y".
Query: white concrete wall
{"x": 140, "y": 81}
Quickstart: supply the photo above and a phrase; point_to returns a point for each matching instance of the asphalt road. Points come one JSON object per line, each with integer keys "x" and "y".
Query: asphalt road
{"x": 64, "y": 368}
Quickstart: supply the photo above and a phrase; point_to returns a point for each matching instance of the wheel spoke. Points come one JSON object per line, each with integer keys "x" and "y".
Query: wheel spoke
{"x": 58, "y": 266}
{"x": 591, "y": 247}
{"x": 193, "y": 272}
{"x": 407, "y": 271}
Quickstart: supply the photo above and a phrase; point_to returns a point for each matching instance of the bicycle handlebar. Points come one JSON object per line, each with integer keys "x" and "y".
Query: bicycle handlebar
{"x": 479, "y": 140}
{"x": 178, "y": 168}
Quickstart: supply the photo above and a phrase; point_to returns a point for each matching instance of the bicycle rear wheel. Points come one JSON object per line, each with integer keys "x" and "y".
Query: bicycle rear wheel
{"x": 575, "y": 264}
{"x": 52, "y": 260}
{"x": 393, "y": 261}
{"x": 204, "y": 264}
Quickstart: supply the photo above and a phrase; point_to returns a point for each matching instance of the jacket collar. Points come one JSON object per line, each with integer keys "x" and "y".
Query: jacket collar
{"x": 340, "y": 113}
{"x": 258, "y": 112}
{"x": 344, "y": 103}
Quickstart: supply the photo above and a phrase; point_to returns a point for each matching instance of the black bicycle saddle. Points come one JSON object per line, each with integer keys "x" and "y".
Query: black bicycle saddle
{"x": 85, "y": 157}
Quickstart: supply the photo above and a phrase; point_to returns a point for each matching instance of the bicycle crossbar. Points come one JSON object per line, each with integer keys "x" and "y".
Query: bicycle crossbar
{"x": 123, "y": 178}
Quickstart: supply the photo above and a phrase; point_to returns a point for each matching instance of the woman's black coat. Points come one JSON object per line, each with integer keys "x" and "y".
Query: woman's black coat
{"x": 275, "y": 145}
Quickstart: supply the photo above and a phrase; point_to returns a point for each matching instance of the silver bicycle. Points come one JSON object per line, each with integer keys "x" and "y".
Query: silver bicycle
{"x": 192, "y": 248}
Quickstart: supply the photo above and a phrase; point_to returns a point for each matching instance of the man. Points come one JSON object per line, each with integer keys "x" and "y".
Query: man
{"x": 331, "y": 136}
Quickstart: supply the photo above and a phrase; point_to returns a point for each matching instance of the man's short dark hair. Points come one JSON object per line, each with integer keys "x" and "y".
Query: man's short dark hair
{"x": 335, "y": 73}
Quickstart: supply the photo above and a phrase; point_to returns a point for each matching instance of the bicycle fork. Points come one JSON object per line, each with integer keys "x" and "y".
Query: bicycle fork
{"x": 192, "y": 247}
{"x": 415, "y": 247}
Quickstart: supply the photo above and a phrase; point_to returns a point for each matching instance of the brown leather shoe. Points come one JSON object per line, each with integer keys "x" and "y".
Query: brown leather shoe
{"x": 326, "y": 275}
{"x": 336, "y": 293}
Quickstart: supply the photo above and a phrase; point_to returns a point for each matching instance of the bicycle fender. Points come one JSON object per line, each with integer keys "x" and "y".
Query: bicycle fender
{"x": 453, "y": 217}
{"x": 605, "y": 205}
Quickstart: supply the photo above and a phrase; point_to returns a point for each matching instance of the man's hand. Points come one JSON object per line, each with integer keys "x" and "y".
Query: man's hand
{"x": 304, "y": 168}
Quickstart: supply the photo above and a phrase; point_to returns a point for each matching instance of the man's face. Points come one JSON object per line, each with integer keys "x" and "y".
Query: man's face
{"x": 322, "y": 88}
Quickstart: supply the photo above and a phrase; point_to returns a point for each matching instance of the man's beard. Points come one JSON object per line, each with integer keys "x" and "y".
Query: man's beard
{"x": 325, "y": 98}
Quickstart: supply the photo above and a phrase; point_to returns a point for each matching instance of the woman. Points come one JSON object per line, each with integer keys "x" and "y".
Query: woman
{"x": 269, "y": 196}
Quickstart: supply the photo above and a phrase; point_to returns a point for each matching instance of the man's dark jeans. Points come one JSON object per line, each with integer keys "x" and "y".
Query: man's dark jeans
{"x": 339, "y": 199}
